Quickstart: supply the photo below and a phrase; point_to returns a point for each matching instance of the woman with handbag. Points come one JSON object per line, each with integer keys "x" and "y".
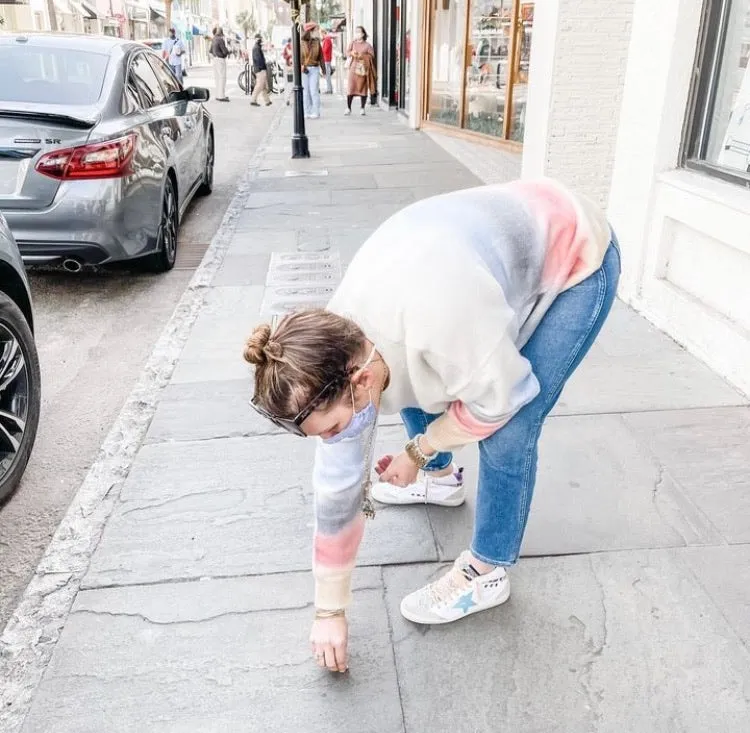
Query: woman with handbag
{"x": 361, "y": 62}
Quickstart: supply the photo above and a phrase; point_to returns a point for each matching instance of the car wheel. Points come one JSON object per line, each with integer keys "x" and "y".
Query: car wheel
{"x": 166, "y": 241}
{"x": 20, "y": 395}
{"x": 208, "y": 173}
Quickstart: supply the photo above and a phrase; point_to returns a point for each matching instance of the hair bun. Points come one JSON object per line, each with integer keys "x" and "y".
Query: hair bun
{"x": 274, "y": 349}
{"x": 256, "y": 346}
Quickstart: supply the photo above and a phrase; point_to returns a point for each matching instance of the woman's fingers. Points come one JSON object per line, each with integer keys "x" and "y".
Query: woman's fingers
{"x": 383, "y": 464}
{"x": 330, "y": 656}
{"x": 341, "y": 656}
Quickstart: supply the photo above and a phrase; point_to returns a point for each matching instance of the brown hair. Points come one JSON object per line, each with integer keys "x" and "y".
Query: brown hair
{"x": 307, "y": 350}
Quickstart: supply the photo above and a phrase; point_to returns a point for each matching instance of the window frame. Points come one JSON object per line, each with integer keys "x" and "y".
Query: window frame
{"x": 160, "y": 67}
{"x": 702, "y": 100}
{"x": 131, "y": 70}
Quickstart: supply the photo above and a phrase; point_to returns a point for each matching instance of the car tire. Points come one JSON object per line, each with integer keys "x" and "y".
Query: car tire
{"x": 20, "y": 398}
{"x": 166, "y": 240}
{"x": 207, "y": 186}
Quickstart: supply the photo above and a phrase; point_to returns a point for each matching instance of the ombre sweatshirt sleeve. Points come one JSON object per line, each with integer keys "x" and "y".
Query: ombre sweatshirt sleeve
{"x": 338, "y": 477}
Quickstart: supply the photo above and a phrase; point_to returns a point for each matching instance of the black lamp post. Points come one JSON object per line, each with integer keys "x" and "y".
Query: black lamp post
{"x": 300, "y": 147}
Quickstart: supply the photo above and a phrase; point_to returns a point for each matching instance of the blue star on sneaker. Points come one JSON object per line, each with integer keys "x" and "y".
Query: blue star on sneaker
{"x": 465, "y": 602}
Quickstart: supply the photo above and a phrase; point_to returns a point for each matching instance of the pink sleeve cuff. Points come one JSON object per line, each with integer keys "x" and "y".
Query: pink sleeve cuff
{"x": 467, "y": 422}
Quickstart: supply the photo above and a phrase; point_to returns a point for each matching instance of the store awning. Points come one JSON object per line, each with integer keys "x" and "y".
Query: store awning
{"x": 87, "y": 11}
{"x": 158, "y": 9}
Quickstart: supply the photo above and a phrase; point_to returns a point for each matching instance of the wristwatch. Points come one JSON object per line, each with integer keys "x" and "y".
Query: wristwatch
{"x": 416, "y": 454}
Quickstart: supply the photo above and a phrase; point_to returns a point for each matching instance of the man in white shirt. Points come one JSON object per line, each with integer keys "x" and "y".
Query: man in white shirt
{"x": 174, "y": 51}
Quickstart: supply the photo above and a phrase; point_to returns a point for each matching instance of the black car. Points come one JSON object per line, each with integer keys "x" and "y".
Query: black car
{"x": 20, "y": 379}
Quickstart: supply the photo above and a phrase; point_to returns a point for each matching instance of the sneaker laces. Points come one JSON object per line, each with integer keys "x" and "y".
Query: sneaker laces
{"x": 453, "y": 582}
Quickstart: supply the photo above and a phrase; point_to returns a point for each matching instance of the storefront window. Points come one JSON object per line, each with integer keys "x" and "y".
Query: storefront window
{"x": 487, "y": 72}
{"x": 407, "y": 55}
{"x": 480, "y": 65}
{"x": 447, "y": 61}
{"x": 719, "y": 137}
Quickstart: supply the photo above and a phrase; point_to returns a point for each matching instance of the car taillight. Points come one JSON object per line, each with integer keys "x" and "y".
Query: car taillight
{"x": 99, "y": 160}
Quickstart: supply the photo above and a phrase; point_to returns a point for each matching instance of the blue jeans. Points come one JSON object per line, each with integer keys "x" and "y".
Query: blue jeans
{"x": 177, "y": 71}
{"x": 329, "y": 80}
{"x": 311, "y": 90}
{"x": 508, "y": 458}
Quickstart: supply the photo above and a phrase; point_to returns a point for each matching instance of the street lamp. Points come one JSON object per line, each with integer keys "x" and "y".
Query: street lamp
{"x": 300, "y": 148}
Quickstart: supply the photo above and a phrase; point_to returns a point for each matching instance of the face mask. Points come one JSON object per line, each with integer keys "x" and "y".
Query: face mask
{"x": 360, "y": 420}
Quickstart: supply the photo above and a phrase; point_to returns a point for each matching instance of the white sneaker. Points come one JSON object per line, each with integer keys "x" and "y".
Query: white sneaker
{"x": 347, "y": 113}
{"x": 443, "y": 491}
{"x": 362, "y": 113}
{"x": 458, "y": 593}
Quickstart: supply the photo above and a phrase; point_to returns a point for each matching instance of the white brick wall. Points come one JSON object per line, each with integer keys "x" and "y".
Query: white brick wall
{"x": 591, "y": 51}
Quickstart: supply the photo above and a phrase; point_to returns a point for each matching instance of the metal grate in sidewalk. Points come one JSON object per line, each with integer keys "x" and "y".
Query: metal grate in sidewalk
{"x": 190, "y": 254}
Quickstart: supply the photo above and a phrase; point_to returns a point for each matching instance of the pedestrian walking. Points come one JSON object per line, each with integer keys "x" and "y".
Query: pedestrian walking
{"x": 174, "y": 50}
{"x": 529, "y": 272}
{"x": 220, "y": 53}
{"x": 327, "y": 48}
{"x": 313, "y": 66}
{"x": 260, "y": 68}
{"x": 360, "y": 58}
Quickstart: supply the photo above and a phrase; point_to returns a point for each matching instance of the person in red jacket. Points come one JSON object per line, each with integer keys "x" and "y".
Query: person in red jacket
{"x": 327, "y": 48}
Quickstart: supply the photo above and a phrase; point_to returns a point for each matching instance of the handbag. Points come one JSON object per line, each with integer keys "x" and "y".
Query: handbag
{"x": 359, "y": 68}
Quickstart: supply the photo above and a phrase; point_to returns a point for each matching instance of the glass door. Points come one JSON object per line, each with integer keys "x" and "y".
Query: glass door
{"x": 447, "y": 61}
{"x": 520, "y": 72}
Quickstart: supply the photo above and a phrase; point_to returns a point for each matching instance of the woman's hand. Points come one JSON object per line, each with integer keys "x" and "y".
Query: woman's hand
{"x": 398, "y": 470}
{"x": 329, "y": 638}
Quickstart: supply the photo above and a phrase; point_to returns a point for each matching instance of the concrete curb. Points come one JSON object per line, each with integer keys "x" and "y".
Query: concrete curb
{"x": 30, "y": 635}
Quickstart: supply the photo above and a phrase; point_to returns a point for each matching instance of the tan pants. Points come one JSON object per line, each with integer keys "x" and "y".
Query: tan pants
{"x": 220, "y": 77}
{"x": 261, "y": 87}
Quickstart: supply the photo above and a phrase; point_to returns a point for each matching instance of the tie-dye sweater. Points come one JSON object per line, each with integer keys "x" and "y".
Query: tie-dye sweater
{"x": 449, "y": 290}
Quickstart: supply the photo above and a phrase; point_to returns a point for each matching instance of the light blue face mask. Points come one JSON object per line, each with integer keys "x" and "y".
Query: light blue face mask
{"x": 360, "y": 420}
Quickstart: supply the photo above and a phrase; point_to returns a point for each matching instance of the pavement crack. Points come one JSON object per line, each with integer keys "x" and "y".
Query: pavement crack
{"x": 183, "y": 497}
{"x": 181, "y": 622}
{"x": 659, "y": 483}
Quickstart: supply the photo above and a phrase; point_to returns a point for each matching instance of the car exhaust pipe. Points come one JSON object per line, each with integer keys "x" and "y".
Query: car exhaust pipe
{"x": 71, "y": 265}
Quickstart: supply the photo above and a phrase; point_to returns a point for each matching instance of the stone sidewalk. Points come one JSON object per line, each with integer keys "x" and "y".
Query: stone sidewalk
{"x": 630, "y": 611}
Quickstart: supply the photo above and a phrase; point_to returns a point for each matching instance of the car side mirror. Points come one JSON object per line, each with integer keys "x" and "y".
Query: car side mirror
{"x": 198, "y": 94}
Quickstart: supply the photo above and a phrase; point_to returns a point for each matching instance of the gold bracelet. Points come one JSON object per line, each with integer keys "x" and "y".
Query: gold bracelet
{"x": 320, "y": 614}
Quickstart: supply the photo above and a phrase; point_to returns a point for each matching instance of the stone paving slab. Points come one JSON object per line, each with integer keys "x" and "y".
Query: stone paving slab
{"x": 611, "y": 643}
{"x": 242, "y": 269}
{"x": 722, "y": 571}
{"x": 224, "y": 413}
{"x": 233, "y": 507}
{"x": 272, "y": 181}
{"x": 597, "y": 489}
{"x": 708, "y": 453}
{"x": 213, "y": 351}
{"x": 634, "y": 367}
{"x": 216, "y": 656}
{"x": 305, "y": 217}
{"x": 222, "y": 406}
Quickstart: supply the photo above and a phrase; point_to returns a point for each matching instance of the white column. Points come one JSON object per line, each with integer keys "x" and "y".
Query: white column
{"x": 657, "y": 82}
{"x": 541, "y": 72}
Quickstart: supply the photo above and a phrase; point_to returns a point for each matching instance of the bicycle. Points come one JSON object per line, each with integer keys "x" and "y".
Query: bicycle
{"x": 274, "y": 76}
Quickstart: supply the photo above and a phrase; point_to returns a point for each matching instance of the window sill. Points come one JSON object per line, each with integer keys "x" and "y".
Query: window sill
{"x": 704, "y": 185}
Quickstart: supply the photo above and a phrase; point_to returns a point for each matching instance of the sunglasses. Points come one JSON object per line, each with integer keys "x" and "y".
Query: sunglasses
{"x": 293, "y": 425}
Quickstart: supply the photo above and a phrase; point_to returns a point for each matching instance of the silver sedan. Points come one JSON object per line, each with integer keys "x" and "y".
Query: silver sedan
{"x": 101, "y": 150}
